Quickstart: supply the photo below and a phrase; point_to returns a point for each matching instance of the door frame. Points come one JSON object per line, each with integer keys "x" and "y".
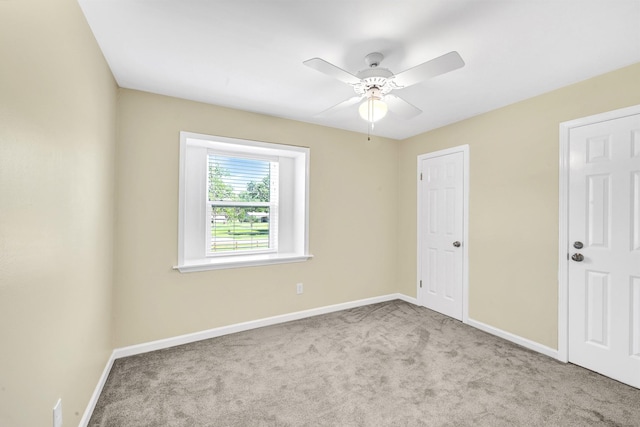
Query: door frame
{"x": 464, "y": 149}
{"x": 563, "y": 238}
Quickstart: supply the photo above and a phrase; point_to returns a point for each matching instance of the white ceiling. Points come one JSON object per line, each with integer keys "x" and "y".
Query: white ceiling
{"x": 248, "y": 54}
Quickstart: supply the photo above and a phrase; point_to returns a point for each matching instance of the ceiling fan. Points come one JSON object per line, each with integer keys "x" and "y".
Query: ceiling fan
{"x": 375, "y": 83}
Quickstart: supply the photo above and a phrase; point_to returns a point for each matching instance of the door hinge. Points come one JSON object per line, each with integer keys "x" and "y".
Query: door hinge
{"x": 420, "y": 283}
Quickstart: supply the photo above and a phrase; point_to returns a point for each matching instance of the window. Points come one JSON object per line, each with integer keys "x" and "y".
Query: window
{"x": 242, "y": 203}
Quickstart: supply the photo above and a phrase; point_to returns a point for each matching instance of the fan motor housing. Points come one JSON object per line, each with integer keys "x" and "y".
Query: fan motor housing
{"x": 377, "y": 77}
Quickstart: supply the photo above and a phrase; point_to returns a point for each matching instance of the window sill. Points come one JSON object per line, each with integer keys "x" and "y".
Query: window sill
{"x": 241, "y": 261}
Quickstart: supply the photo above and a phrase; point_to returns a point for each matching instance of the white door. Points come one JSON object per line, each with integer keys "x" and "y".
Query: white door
{"x": 441, "y": 232}
{"x": 604, "y": 248}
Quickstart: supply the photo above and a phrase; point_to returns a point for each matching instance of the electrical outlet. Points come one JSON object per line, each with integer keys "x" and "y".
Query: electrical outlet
{"x": 57, "y": 414}
{"x": 299, "y": 288}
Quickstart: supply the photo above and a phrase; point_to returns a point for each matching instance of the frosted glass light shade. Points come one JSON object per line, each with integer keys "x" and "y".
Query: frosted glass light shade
{"x": 373, "y": 110}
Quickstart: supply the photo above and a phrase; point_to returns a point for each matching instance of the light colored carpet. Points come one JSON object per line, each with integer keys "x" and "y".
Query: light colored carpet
{"x": 389, "y": 364}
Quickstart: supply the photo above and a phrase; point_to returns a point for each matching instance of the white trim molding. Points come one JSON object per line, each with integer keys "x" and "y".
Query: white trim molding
{"x": 252, "y": 324}
{"x": 524, "y": 342}
{"x": 225, "y": 330}
{"x": 405, "y": 298}
{"x": 563, "y": 238}
{"x": 86, "y": 417}
{"x": 274, "y": 320}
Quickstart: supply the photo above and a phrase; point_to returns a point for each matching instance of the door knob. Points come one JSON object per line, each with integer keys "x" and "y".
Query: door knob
{"x": 578, "y": 245}
{"x": 456, "y": 244}
{"x": 577, "y": 257}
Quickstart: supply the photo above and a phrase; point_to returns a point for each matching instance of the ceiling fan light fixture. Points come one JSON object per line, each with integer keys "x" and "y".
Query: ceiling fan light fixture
{"x": 374, "y": 108}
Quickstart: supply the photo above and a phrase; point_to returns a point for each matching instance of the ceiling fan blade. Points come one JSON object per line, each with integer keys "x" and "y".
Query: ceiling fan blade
{"x": 440, "y": 65}
{"x": 342, "y": 105}
{"x": 401, "y": 107}
{"x": 331, "y": 70}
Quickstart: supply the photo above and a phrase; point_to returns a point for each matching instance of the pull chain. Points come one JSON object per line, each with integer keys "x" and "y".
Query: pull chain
{"x": 370, "y": 117}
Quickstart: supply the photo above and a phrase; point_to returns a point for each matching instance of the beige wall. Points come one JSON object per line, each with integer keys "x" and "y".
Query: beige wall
{"x": 352, "y": 223}
{"x": 57, "y": 139}
{"x": 513, "y": 224}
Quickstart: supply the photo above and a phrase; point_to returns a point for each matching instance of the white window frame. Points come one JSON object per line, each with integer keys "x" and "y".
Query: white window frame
{"x": 293, "y": 210}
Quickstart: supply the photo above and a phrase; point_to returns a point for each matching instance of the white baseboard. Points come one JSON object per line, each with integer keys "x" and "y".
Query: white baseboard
{"x": 224, "y": 330}
{"x": 524, "y": 342}
{"x": 252, "y": 324}
{"x": 259, "y": 323}
{"x": 405, "y": 298}
{"x": 96, "y": 393}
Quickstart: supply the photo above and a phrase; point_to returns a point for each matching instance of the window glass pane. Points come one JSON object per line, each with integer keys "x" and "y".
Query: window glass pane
{"x": 238, "y": 179}
{"x": 239, "y": 228}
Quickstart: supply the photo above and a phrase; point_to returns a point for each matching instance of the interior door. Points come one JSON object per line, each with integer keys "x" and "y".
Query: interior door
{"x": 604, "y": 240}
{"x": 441, "y": 231}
